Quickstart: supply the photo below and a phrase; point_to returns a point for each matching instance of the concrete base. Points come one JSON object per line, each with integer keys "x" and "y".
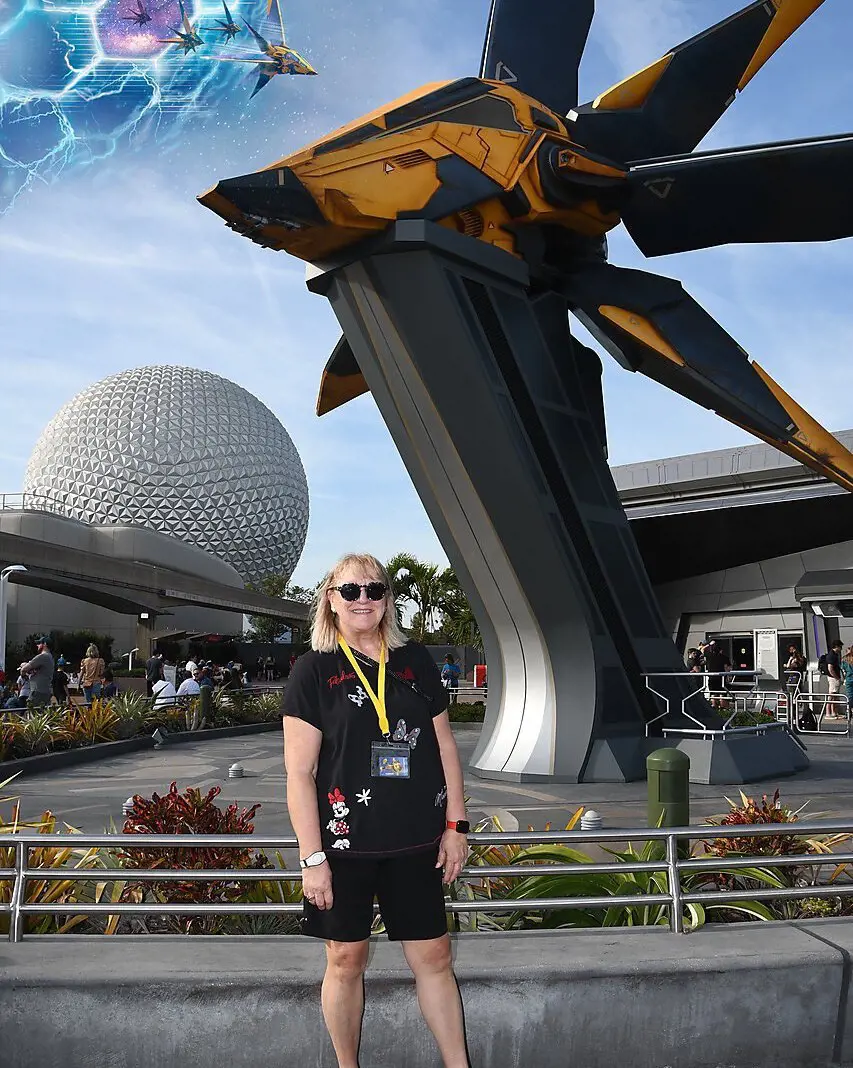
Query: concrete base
{"x": 745, "y": 996}
{"x": 610, "y": 760}
{"x": 739, "y": 758}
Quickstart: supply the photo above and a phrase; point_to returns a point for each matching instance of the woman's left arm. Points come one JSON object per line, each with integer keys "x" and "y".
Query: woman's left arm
{"x": 453, "y": 850}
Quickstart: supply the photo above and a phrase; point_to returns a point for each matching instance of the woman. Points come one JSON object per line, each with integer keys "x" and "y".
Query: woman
{"x": 376, "y": 798}
{"x": 847, "y": 677}
{"x": 91, "y": 674}
{"x": 450, "y": 675}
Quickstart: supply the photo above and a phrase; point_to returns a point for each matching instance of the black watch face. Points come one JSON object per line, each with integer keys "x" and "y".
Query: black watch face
{"x": 463, "y": 826}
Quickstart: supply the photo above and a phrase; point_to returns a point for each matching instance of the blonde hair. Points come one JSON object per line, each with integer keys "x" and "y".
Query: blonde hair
{"x": 92, "y": 652}
{"x": 324, "y": 631}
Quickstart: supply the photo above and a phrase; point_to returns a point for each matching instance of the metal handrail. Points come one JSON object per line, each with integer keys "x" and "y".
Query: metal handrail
{"x": 704, "y": 675}
{"x": 672, "y": 864}
{"x": 33, "y": 502}
{"x": 825, "y": 700}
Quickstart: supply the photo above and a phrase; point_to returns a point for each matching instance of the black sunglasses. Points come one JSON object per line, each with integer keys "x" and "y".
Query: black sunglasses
{"x": 351, "y": 591}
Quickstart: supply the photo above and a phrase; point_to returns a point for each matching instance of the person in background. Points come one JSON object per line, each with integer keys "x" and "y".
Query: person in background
{"x": 190, "y": 687}
{"x": 60, "y": 683}
{"x": 39, "y": 673}
{"x": 153, "y": 671}
{"x": 450, "y": 673}
{"x": 796, "y": 661}
{"x": 833, "y": 671}
{"x": 694, "y": 660}
{"x": 165, "y": 695}
{"x": 716, "y": 661}
{"x": 92, "y": 674}
{"x": 847, "y": 677}
{"x": 206, "y": 677}
{"x": 109, "y": 688}
{"x": 19, "y": 698}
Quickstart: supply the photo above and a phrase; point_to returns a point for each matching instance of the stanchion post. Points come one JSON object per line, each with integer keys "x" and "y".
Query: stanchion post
{"x": 668, "y": 788}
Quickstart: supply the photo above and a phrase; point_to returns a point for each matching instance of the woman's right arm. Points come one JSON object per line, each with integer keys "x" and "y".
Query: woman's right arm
{"x": 301, "y": 756}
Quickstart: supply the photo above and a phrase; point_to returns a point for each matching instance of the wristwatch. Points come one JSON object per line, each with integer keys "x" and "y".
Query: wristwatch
{"x": 463, "y": 826}
{"x": 312, "y": 861}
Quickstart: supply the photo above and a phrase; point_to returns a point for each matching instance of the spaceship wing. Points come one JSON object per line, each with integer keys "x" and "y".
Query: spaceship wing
{"x": 651, "y": 325}
{"x": 536, "y": 45}
{"x": 265, "y": 74}
{"x": 263, "y": 43}
{"x": 342, "y": 379}
{"x": 797, "y": 191}
{"x": 669, "y": 106}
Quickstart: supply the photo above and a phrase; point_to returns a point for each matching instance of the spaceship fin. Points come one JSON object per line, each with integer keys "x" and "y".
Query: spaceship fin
{"x": 669, "y": 106}
{"x": 536, "y": 45}
{"x": 342, "y": 379}
{"x": 263, "y": 44}
{"x": 796, "y": 191}
{"x": 651, "y": 325}
{"x": 265, "y": 74}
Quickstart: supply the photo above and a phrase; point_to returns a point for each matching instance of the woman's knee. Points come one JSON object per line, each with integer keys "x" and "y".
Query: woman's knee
{"x": 430, "y": 956}
{"x": 347, "y": 960}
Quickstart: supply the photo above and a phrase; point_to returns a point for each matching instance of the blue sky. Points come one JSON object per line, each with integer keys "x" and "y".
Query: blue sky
{"x": 117, "y": 266}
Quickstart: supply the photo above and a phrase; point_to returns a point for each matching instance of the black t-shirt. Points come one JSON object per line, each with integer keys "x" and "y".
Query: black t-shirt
{"x": 153, "y": 669}
{"x": 361, "y": 815}
{"x": 715, "y": 659}
{"x": 833, "y": 660}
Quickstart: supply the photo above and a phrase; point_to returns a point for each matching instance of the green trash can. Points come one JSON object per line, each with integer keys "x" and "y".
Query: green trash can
{"x": 669, "y": 788}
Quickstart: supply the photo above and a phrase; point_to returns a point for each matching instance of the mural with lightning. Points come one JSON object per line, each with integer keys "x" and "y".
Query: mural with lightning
{"x": 79, "y": 79}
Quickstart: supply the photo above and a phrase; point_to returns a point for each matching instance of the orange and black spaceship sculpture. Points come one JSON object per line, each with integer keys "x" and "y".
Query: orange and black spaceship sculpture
{"x": 453, "y": 231}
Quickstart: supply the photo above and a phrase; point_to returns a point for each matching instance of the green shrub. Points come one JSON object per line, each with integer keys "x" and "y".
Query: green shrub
{"x": 473, "y": 713}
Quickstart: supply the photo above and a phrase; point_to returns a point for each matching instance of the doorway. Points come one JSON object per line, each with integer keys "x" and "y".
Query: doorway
{"x": 739, "y": 650}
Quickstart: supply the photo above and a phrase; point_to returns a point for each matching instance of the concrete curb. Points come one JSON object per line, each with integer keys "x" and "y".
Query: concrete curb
{"x": 755, "y": 995}
{"x": 106, "y": 750}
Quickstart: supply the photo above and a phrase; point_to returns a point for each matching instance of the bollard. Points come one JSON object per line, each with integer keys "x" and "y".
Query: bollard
{"x": 669, "y": 788}
{"x": 235, "y": 771}
{"x": 591, "y": 821}
{"x": 206, "y": 702}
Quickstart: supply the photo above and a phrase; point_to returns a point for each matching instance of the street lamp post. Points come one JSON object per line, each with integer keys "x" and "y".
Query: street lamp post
{"x": 4, "y": 585}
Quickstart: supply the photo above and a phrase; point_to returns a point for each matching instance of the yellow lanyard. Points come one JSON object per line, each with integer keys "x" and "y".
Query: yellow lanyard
{"x": 377, "y": 699}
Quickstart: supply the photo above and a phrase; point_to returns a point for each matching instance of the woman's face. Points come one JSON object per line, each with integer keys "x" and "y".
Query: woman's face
{"x": 361, "y": 616}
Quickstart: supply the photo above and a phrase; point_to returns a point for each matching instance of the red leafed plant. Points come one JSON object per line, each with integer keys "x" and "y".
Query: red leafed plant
{"x": 190, "y": 812}
{"x": 751, "y": 812}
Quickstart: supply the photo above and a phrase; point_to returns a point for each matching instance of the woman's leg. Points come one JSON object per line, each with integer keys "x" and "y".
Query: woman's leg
{"x": 438, "y": 997}
{"x": 343, "y": 998}
{"x": 87, "y": 694}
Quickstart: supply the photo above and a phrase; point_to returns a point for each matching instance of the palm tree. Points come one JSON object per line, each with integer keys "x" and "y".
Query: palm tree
{"x": 422, "y": 585}
{"x": 458, "y": 622}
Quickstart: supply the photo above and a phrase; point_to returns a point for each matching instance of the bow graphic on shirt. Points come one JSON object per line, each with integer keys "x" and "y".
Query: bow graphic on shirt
{"x": 400, "y": 734}
{"x": 359, "y": 697}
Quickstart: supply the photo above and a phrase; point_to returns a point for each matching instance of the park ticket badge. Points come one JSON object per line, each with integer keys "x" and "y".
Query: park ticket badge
{"x": 389, "y": 760}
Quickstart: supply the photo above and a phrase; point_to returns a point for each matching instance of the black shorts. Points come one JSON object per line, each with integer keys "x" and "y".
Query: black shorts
{"x": 409, "y": 890}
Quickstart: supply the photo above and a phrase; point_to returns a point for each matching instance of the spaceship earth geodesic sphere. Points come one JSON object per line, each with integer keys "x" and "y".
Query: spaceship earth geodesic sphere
{"x": 181, "y": 451}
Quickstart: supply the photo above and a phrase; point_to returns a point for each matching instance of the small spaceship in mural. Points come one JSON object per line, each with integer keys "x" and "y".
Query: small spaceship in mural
{"x": 227, "y": 25}
{"x": 276, "y": 59}
{"x": 187, "y": 38}
{"x": 139, "y": 15}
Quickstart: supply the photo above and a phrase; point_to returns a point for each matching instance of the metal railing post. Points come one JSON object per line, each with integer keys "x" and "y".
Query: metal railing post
{"x": 16, "y": 918}
{"x": 676, "y": 915}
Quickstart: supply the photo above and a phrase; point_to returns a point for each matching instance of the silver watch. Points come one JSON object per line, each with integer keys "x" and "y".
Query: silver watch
{"x": 312, "y": 861}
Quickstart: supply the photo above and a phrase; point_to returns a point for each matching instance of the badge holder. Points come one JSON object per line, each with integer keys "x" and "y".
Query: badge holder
{"x": 389, "y": 760}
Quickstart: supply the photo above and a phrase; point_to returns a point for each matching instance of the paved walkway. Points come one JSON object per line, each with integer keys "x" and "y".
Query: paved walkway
{"x": 90, "y": 796}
